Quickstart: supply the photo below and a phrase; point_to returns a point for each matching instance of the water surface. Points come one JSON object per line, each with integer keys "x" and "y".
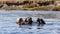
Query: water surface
{"x": 8, "y": 22}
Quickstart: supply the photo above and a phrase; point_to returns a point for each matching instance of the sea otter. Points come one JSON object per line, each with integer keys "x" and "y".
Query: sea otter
{"x": 40, "y": 21}
{"x": 19, "y": 21}
{"x": 28, "y": 21}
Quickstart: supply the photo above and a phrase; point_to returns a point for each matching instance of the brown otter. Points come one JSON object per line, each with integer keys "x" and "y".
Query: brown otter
{"x": 40, "y": 21}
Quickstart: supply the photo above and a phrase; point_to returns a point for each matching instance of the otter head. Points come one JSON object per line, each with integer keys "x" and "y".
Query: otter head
{"x": 19, "y": 20}
{"x": 40, "y": 21}
{"x": 28, "y": 20}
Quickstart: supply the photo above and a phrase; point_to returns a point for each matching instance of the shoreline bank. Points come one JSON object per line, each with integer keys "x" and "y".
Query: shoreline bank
{"x": 31, "y": 5}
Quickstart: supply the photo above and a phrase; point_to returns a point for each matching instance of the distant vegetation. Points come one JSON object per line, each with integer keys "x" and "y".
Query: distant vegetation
{"x": 29, "y": 5}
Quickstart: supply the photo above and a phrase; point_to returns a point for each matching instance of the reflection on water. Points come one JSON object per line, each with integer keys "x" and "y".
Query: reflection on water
{"x": 8, "y": 22}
